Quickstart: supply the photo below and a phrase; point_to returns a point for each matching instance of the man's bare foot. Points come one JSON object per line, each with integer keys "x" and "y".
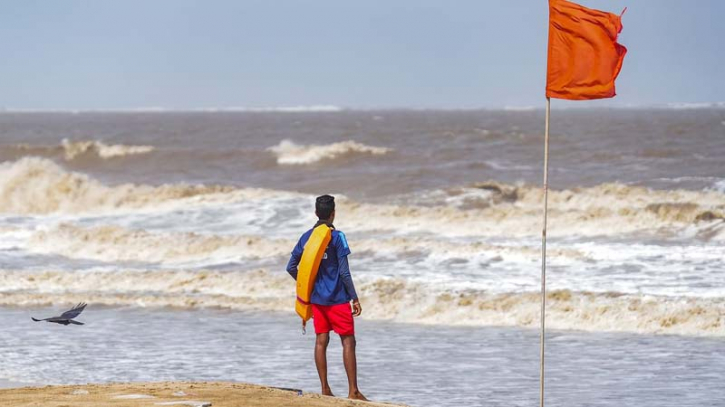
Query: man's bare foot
{"x": 356, "y": 395}
{"x": 327, "y": 392}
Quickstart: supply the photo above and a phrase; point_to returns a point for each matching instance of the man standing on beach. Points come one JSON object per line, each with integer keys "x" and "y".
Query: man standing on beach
{"x": 331, "y": 296}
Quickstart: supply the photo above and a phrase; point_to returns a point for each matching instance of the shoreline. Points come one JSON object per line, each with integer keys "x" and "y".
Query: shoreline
{"x": 195, "y": 394}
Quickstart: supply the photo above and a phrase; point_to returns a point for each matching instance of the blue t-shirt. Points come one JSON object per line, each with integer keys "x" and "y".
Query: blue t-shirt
{"x": 331, "y": 285}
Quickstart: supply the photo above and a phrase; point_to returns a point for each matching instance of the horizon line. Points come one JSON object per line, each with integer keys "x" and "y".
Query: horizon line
{"x": 336, "y": 108}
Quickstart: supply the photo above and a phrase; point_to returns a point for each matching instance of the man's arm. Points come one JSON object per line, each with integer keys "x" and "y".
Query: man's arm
{"x": 343, "y": 250}
{"x": 344, "y": 268}
{"x": 346, "y": 277}
{"x": 292, "y": 266}
{"x": 294, "y": 261}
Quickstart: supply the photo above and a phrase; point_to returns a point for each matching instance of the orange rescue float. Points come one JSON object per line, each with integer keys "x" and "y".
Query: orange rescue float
{"x": 307, "y": 270}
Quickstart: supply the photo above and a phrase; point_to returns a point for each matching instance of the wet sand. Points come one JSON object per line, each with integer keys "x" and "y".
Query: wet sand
{"x": 196, "y": 394}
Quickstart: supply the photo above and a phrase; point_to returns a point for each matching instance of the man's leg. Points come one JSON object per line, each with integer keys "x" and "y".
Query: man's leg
{"x": 321, "y": 361}
{"x": 348, "y": 357}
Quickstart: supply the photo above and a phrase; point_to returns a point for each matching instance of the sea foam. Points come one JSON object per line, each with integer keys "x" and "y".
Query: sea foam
{"x": 385, "y": 299}
{"x": 113, "y": 243}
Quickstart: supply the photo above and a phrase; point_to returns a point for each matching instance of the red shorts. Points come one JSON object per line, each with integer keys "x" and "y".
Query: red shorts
{"x": 333, "y": 317}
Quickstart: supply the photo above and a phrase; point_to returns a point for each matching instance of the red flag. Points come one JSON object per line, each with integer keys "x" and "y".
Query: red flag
{"x": 584, "y": 57}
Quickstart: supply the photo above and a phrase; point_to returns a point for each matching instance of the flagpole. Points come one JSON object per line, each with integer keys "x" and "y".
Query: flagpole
{"x": 543, "y": 252}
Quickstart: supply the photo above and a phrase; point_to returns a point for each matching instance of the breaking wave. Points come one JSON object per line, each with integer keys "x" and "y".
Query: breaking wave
{"x": 34, "y": 185}
{"x": 39, "y": 186}
{"x": 515, "y": 210}
{"x": 72, "y": 150}
{"x": 289, "y": 153}
{"x": 385, "y": 298}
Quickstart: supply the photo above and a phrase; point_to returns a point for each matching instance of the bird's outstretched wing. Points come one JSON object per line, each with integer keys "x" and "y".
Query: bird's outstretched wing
{"x": 73, "y": 312}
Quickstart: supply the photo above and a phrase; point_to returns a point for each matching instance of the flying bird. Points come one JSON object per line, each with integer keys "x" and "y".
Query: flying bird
{"x": 66, "y": 318}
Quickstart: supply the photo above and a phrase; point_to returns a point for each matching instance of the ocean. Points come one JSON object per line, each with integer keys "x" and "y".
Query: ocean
{"x": 184, "y": 216}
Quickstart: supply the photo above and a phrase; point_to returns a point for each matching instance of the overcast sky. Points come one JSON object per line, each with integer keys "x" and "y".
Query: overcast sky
{"x": 375, "y": 53}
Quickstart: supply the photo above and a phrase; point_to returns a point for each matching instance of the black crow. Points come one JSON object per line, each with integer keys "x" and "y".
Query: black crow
{"x": 66, "y": 318}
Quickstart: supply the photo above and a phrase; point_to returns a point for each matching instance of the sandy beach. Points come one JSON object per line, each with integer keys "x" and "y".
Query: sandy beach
{"x": 195, "y": 394}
